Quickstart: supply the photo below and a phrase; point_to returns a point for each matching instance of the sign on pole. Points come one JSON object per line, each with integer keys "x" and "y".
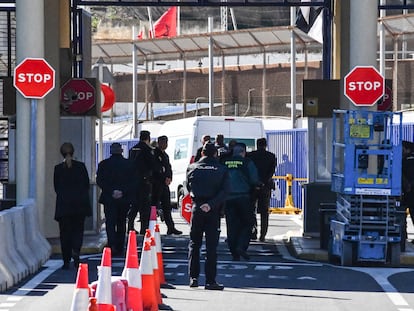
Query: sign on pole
{"x": 364, "y": 86}
{"x": 77, "y": 96}
{"x": 186, "y": 208}
{"x": 34, "y": 78}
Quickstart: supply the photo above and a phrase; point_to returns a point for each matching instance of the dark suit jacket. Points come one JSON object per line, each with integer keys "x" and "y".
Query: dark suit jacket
{"x": 265, "y": 162}
{"x": 72, "y": 190}
{"x": 116, "y": 173}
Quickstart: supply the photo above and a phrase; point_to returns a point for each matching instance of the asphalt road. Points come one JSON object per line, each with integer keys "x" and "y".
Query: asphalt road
{"x": 271, "y": 280}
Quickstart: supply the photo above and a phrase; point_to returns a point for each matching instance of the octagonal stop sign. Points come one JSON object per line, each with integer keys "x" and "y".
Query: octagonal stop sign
{"x": 186, "y": 208}
{"x": 364, "y": 85}
{"x": 34, "y": 78}
{"x": 77, "y": 96}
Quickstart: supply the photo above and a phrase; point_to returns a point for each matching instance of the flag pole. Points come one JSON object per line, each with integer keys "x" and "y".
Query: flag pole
{"x": 178, "y": 20}
{"x": 151, "y": 25}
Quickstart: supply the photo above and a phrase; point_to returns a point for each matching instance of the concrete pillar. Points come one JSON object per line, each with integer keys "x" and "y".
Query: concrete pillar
{"x": 57, "y": 37}
{"x": 29, "y": 43}
{"x": 363, "y": 44}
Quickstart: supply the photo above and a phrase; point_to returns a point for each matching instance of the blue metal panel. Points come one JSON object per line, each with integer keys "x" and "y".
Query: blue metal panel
{"x": 291, "y": 150}
{"x": 125, "y": 143}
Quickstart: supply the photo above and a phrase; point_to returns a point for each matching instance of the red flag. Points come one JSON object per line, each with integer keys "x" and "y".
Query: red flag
{"x": 166, "y": 25}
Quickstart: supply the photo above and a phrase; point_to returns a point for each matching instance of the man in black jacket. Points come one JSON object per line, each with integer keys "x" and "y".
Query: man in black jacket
{"x": 114, "y": 177}
{"x": 208, "y": 184}
{"x": 161, "y": 190}
{"x": 265, "y": 162}
{"x": 144, "y": 165}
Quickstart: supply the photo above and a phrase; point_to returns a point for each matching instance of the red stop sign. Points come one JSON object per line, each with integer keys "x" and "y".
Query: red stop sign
{"x": 77, "y": 96}
{"x": 186, "y": 208}
{"x": 34, "y": 78}
{"x": 364, "y": 85}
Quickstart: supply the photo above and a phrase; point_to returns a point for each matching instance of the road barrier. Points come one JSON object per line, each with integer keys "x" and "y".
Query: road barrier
{"x": 23, "y": 248}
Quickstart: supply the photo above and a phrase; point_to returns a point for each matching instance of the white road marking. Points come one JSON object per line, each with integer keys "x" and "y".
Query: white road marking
{"x": 51, "y": 266}
{"x": 381, "y": 276}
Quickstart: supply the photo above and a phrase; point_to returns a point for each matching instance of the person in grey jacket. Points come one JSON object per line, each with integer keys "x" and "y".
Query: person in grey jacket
{"x": 239, "y": 213}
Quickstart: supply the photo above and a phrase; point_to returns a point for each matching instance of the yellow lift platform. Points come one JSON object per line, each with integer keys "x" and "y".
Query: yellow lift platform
{"x": 289, "y": 207}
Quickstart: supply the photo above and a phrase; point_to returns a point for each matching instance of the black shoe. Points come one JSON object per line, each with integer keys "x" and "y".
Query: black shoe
{"x": 193, "y": 282}
{"x": 262, "y": 239}
{"x": 244, "y": 254}
{"x": 174, "y": 231}
{"x": 65, "y": 266}
{"x": 253, "y": 237}
{"x": 214, "y": 286}
{"x": 236, "y": 258}
{"x": 163, "y": 306}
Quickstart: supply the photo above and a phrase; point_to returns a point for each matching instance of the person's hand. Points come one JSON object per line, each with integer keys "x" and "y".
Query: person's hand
{"x": 205, "y": 207}
{"x": 117, "y": 194}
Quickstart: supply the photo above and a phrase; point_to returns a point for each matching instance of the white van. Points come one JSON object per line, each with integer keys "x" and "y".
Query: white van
{"x": 184, "y": 138}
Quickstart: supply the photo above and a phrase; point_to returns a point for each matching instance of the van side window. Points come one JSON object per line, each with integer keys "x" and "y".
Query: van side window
{"x": 181, "y": 148}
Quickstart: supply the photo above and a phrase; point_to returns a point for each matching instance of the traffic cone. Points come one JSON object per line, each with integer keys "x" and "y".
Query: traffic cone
{"x": 80, "y": 300}
{"x": 104, "y": 287}
{"x": 161, "y": 305}
{"x": 155, "y": 269}
{"x": 153, "y": 219}
{"x": 92, "y": 304}
{"x": 160, "y": 260}
{"x": 132, "y": 274}
{"x": 149, "y": 298}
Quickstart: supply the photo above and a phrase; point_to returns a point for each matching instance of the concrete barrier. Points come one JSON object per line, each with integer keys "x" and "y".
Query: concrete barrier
{"x": 23, "y": 249}
{"x": 19, "y": 239}
{"x": 7, "y": 278}
{"x": 34, "y": 238}
{"x": 9, "y": 257}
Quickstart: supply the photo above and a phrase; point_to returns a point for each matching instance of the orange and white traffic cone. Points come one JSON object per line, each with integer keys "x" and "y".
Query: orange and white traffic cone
{"x": 153, "y": 219}
{"x": 104, "y": 287}
{"x": 161, "y": 305}
{"x": 160, "y": 260}
{"x": 132, "y": 274}
{"x": 149, "y": 298}
{"x": 155, "y": 269}
{"x": 80, "y": 300}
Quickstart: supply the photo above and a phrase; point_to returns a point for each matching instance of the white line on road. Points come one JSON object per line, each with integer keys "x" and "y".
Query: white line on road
{"x": 381, "y": 277}
{"x": 51, "y": 266}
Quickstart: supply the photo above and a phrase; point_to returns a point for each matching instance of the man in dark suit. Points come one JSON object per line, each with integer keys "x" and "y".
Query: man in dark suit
{"x": 265, "y": 162}
{"x": 142, "y": 157}
{"x": 161, "y": 190}
{"x": 114, "y": 177}
{"x": 204, "y": 139}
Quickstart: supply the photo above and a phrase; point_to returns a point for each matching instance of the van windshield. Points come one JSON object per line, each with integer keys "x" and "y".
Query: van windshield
{"x": 250, "y": 142}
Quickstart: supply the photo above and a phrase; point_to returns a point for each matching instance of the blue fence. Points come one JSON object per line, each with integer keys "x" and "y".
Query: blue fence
{"x": 291, "y": 150}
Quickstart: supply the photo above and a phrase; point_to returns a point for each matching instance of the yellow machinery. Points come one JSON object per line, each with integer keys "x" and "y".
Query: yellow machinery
{"x": 289, "y": 204}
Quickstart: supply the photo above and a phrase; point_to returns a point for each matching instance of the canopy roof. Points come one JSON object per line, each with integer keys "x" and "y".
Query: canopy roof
{"x": 229, "y": 43}
{"x": 399, "y": 24}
